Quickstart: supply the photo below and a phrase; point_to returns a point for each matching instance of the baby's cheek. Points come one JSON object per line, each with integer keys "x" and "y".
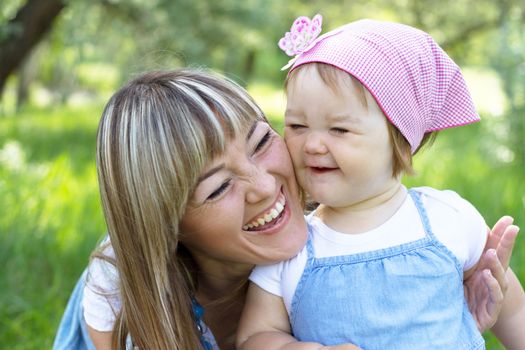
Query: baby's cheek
{"x": 295, "y": 152}
{"x": 301, "y": 180}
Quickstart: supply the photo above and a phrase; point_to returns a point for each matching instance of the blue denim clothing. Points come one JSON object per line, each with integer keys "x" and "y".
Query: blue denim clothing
{"x": 408, "y": 296}
{"x": 72, "y": 332}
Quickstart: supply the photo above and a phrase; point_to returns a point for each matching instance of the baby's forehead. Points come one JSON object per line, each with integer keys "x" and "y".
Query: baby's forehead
{"x": 339, "y": 82}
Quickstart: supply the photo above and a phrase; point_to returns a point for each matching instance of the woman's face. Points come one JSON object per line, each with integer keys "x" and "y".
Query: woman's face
{"x": 246, "y": 206}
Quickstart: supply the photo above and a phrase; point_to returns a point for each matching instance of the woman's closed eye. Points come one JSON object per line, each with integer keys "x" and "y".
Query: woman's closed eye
{"x": 223, "y": 187}
{"x": 264, "y": 140}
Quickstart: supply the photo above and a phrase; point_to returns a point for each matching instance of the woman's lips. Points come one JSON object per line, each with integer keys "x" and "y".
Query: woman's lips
{"x": 268, "y": 217}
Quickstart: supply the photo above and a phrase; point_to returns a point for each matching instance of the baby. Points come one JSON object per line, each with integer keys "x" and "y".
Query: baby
{"x": 384, "y": 265}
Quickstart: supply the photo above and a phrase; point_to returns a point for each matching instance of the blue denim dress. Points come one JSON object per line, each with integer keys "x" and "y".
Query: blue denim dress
{"x": 408, "y": 296}
{"x": 72, "y": 332}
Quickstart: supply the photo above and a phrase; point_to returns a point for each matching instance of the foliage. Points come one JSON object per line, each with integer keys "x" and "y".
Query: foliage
{"x": 50, "y": 219}
{"x": 7, "y": 11}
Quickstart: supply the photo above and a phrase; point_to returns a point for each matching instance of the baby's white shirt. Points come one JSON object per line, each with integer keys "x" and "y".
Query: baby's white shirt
{"x": 453, "y": 220}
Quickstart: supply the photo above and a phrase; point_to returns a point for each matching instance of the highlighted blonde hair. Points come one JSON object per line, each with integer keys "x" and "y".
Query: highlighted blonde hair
{"x": 155, "y": 137}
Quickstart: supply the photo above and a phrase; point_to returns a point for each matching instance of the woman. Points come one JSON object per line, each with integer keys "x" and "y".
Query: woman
{"x": 196, "y": 188}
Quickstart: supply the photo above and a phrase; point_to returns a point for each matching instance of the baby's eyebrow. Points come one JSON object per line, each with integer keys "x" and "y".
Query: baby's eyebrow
{"x": 291, "y": 111}
{"x": 339, "y": 118}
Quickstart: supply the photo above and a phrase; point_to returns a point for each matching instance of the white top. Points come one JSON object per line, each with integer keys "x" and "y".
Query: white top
{"x": 454, "y": 221}
{"x": 101, "y": 300}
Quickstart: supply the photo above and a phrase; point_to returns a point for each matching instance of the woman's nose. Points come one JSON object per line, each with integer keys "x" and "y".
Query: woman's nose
{"x": 314, "y": 144}
{"x": 261, "y": 185}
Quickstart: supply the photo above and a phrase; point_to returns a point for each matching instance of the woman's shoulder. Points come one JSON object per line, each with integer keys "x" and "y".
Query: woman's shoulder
{"x": 102, "y": 274}
{"x": 101, "y": 298}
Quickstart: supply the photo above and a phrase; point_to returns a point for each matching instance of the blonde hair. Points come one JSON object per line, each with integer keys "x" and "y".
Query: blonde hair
{"x": 401, "y": 149}
{"x": 155, "y": 137}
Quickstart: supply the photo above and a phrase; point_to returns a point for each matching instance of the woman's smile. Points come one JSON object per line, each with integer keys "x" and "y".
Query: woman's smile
{"x": 268, "y": 218}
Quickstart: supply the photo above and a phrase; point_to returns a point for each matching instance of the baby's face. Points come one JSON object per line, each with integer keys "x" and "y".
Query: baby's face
{"x": 338, "y": 140}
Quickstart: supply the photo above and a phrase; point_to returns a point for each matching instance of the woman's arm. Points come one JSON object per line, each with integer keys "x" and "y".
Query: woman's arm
{"x": 509, "y": 327}
{"x": 101, "y": 340}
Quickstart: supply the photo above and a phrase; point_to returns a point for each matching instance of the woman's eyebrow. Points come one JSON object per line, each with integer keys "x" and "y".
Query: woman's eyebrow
{"x": 210, "y": 173}
{"x": 221, "y": 166}
{"x": 252, "y": 130}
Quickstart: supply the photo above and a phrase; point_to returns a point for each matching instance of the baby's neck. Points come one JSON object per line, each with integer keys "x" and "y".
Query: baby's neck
{"x": 366, "y": 215}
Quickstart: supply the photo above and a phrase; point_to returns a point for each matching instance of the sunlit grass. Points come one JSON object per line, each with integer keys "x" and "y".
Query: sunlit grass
{"x": 50, "y": 220}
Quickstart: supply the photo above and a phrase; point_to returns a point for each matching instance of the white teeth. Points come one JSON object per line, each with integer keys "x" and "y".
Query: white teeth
{"x": 267, "y": 217}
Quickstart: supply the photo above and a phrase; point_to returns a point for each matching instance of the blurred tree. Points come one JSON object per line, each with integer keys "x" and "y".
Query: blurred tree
{"x": 237, "y": 37}
{"x": 21, "y": 33}
{"x": 227, "y": 35}
{"x": 507, "y": 57}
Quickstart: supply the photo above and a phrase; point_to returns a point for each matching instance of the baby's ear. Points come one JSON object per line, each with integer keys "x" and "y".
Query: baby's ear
{"x": 401, "y": 153}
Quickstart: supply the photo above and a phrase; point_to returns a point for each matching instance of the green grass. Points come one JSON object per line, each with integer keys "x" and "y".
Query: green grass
{"x": 51, "y": 217}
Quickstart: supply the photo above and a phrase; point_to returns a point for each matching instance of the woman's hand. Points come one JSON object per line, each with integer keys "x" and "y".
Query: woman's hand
{"x": 485, "y": 288}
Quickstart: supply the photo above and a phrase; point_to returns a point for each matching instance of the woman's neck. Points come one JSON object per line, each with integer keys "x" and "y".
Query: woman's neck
{"x": 217, "y": 279}
{"x": 222, "y": 291}
{"x": 364, "y": 216}
{"x": 222, "y": 315}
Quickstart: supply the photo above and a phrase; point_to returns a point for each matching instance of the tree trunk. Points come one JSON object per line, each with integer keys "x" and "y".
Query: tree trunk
{"x": 25, "y": 75}
{"x": 28, "y": 27}
{"x": 249, "y": 65}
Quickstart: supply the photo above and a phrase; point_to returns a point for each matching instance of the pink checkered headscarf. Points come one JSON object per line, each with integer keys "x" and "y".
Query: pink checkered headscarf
{"x": 416, "y": 84}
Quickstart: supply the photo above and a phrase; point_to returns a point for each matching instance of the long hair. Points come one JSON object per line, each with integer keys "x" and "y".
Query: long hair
{"x": 155, "y": 136}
